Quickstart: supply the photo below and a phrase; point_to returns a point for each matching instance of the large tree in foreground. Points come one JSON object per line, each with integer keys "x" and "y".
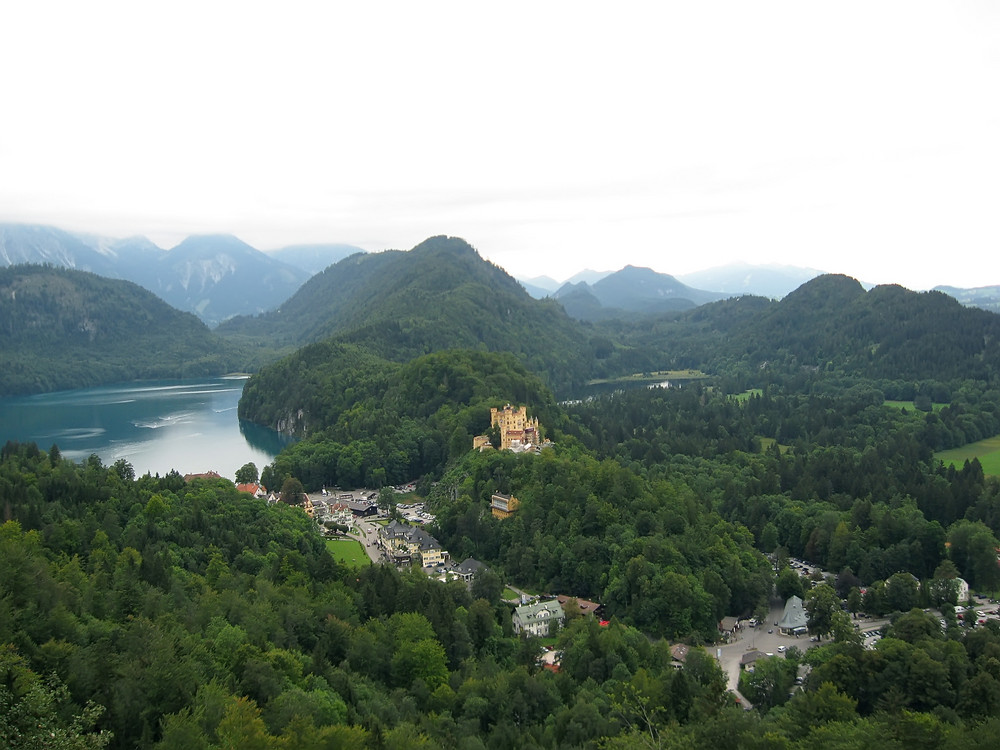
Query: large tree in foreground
{"x": 292, "y": 491}
{"x": 821, "y": 605}
{"x": 247, "y": 474}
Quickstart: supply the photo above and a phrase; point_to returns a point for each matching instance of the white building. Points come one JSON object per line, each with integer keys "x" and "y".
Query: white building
{"x": 537, "y": 619}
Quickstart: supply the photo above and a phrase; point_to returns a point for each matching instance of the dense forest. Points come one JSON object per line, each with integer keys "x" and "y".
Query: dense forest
{"x": 380, "y": 422}
{"x": 147, "y": 612}
{"x": 831, "y": 324}
{"x": 70, "y": 329}
{"x": 153, "y": 613}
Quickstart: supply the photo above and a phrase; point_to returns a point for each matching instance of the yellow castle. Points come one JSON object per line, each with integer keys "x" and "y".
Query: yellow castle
{"x": 516, "y": 430}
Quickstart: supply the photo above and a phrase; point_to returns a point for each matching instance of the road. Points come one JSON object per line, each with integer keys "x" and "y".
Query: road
{"x": 368, "y": 536}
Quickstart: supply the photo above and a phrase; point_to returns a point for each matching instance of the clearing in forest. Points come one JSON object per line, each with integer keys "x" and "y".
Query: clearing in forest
{"x": 348, "y": 551}
{"x": 987, "y": 451}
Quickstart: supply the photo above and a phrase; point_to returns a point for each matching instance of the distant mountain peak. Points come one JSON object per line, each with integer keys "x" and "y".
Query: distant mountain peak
{"x": 215, "y": 241}
{"x": 444, "y": 243}
{"x": 767, "y": 280}
{"x": 630, "y": 291}
{"x": 215, "y": 276}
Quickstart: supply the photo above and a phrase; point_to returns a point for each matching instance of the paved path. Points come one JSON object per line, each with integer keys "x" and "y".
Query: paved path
{"x": 748, "y": 639}
{"x": 368, "y": 536}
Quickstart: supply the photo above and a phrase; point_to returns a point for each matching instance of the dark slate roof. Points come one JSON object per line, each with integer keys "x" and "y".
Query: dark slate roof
{"x": 470, "y": 566}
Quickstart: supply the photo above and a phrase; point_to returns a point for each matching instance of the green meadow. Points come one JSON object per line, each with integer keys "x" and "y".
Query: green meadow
{"x": 987, "y": 451}
{"x": 348, "y": 551}
{"x": 766, "y": 443}
{"x": 908, "y": 405}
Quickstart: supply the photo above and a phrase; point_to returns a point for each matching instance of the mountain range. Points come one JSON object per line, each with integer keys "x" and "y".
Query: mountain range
{"x": 985, "y": 297}
{"x": 218, "y": 277}
{"x": 731, "y": 280}
{"x": 65, "y": 328}
{"x": 213, "y": 276}
{"x": 630, "y": 291}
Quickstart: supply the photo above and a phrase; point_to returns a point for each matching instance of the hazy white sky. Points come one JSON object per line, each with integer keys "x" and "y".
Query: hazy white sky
{"x": 853, "y": 137}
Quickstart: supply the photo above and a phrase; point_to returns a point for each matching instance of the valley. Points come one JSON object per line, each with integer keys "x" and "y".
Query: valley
{"x": 795, "y": 454}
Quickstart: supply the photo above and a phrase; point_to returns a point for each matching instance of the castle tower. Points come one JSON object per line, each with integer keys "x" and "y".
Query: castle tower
{"x": 516, "y": 429}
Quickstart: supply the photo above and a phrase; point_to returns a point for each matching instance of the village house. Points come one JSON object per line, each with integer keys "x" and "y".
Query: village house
{"x": 793, "y": 620}
{"x": 540, "y": 619}
{"x": 340, "y": 513}
{"x": 468, "y": 569}
{"x": 583, "y": 606}
{"x": 361, "y": 508}
{"x": 749, "y": 659}
{"x": 504, "y": 506}
{"x": 253, "y": 488}
{"x": 403, "y": 542}
{"x": 306, "y": 505}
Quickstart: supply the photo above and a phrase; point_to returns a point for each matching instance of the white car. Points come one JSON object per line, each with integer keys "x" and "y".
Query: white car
{"x": 781, "y": 649}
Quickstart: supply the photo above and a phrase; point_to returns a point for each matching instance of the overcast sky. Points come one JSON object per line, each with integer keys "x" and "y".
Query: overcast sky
{"x": 852, "y": 137}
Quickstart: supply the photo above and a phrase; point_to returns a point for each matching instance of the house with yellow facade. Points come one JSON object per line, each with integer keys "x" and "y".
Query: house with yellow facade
{"x": 404, "y": 542}
{"x": 503, "y": 506}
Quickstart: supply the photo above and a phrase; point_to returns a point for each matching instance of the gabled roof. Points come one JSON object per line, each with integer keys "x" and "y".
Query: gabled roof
{"x": 794, "y": 615}
{"x": 728, "y": 624}
{"x": 396, "y": 528}
{"x": 751, "y": 656}
{"x": 586, "y": 608}
{"x": 424, "y": 540}
{"x": 470, "y": 566}
{"x": 545, "y": 610}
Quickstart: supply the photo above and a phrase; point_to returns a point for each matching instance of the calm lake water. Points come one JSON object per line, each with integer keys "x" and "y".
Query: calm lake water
{"x": 187, "y": 425}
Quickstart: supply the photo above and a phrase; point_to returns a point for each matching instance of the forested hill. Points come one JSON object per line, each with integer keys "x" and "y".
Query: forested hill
{"x": 369, "y": 422}
{"x": 439, "y": 295}
{"x": 830, "y": 323}
{"x": 68, "y": 329}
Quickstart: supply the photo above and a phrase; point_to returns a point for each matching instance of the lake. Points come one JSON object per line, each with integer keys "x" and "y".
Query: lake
{"x": 187, "y": 425}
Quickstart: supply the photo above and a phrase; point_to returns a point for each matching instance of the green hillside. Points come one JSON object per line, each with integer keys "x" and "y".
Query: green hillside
{"x": 829, "y": 323}
{"x": 370, "y": 422}
{"x": 439, "y": 295}
{"x": 69, "y": 329}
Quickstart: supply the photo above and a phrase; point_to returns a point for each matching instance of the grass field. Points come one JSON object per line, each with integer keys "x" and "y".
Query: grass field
{"x": 349, "y": 552}
{"x": 987, "y": 451}
{"x": 653, "y": 377}
{"x": 766, "y": 443}
{"x": 908, "y": 405}
{"x": 745, "y": 396}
